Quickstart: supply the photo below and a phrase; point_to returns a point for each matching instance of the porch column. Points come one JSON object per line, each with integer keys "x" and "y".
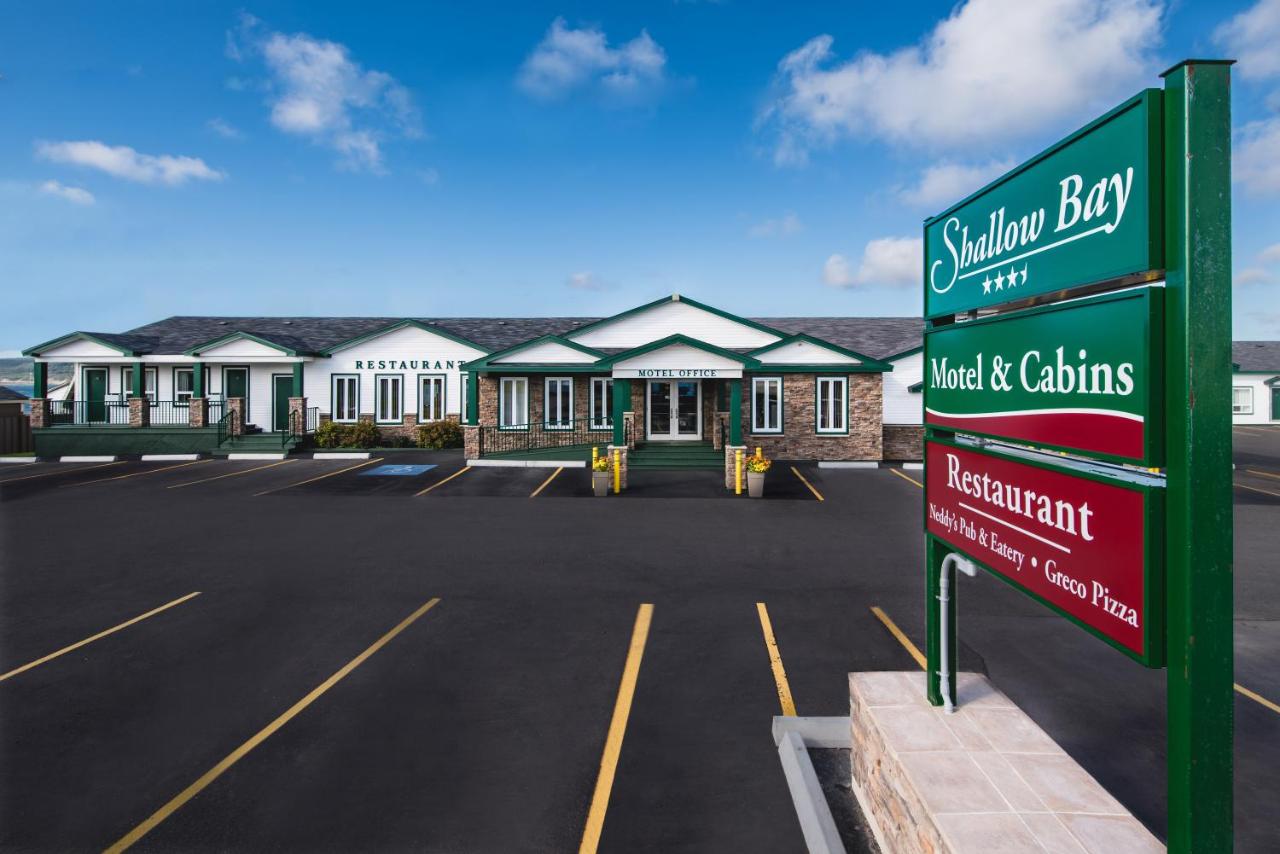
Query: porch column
{"x": 39, "y": 395}
{"x": 621, "y": 405}
{"x": 139, "y": 406}
{"x": 297, "y": 379}
{"x": 197, "y": 379}
{"x": 473, "y": 398}
{"x": 735, "y": 412}
{"x": 197, "y": 406}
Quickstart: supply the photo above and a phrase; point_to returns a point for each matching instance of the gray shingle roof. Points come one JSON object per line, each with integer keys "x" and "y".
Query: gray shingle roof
{"x": 877, "y": 337}
{"x": 7, "y": 393}
{"x": 1256, "y": 355}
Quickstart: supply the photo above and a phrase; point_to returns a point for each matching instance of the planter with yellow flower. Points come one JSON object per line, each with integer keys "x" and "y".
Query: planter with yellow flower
{"x": 600, "y": 476}
{"x": 757, "y": 465}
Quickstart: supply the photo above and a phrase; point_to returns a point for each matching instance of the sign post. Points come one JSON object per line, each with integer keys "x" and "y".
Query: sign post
{"x": 1078, "y": 439}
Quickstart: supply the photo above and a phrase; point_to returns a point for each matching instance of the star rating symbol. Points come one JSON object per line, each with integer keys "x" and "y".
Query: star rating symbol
{"x": 1013, "y": 278}
{"x": 999, "y": 281}
{"x": 986, "y": 285}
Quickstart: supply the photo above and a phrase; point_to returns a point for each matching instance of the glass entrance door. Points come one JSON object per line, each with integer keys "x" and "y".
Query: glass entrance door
{"x": 674, "y": 409}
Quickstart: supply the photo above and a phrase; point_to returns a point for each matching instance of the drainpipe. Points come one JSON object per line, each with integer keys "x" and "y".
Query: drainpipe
{"x": 951, "y": 562}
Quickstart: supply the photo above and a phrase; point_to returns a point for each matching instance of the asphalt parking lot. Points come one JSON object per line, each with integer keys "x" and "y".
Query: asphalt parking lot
{"x": 307, "y": 655}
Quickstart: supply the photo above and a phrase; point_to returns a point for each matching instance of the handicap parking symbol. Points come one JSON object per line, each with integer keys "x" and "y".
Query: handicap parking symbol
{"x": 398, "y": 470}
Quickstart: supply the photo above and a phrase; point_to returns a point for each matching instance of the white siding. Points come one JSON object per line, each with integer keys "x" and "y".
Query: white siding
{"x": 549, "y": 352}
{"x": 78, "y": 350}
{"x": 900, "y": 405}
{"x": 1262, "y": 413}
{"x": 240, "y": 348}
{"x": 804, "y": 353}
{"x": 422, "y": 352}
{"x": 669, "y": 318}
{"x": 676, "y": 356}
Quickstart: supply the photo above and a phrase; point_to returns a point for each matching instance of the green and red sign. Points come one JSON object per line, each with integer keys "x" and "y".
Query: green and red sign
{"x": 1080, "y": 376}
{"x": 1086, "y": 210}
{"x": 1080, "y": 544}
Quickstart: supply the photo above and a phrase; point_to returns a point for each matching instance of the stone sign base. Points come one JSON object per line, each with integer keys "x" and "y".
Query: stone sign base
{"x": 986, "y": 779}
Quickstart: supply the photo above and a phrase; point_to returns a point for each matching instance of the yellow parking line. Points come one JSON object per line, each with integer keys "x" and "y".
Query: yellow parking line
{"x": 805, "y": 481}
{"x": 1264, "y": 473}
{"x": 617, "y": 728}
{"x": 231, "y": 474}
{"x": 460, "y": 471}
{"x": 135, "y": 473}
{"x": 262, "y": 735}
{"x": 61, "y": 471}
{"x": 534, "y": 494}
{"x": 99, "y": 636}
{"x": 901, "y": 636}
{"x": 319, "y": 477}
{"x": 1255, "y": 489}
{"x": 775, "y": 661}
{"x": 1257, "y": 698}
{"x": 907, "y": 479}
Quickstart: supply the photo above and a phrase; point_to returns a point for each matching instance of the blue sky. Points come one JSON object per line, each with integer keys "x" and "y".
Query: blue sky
{"x": 566, "y": 158}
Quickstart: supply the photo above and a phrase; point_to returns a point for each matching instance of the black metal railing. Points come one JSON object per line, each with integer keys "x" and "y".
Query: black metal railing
{"x": 88, "y": 413}
{"x": 521, "y": 438}
{"x": 217, "y": 408}
{"x": 169, "y": 413}
{"x": 300, "y": 424}
{"x": 223, "y": 425}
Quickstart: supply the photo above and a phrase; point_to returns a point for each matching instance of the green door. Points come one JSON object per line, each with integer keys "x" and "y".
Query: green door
{"x": 1275, "y": 403}
{"x": 95, "y": 395}
{"x": 282, "y": 388}
{"x": 235, "y": 382}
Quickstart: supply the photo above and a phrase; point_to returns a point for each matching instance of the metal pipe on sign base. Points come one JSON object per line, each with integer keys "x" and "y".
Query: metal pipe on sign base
{"x": 737, "y": 472}
{"x": 950, "y": 563}
{"x": 617, "y": 471}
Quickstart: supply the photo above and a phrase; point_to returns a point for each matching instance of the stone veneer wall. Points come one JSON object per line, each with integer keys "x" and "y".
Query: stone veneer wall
{"x": 903, "y": 442}
{"x": 800, "y": 439}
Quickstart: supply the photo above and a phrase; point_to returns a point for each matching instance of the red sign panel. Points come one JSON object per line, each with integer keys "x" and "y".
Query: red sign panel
{"x": 1077, "y": 543}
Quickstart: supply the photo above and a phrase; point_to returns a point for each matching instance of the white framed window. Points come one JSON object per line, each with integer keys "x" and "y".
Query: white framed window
{"x": 431, "y": 397}
{"x": 346, "y": 398}
{"x": 149, "y": 376}
{"x": 766, "y": 404}
{"x": 389, "y": 398}
{"x": 601, "y": 403}
{"x": 183, "y": 385}
{"x": 513, "y": 402}
{"x": 832, "y": 409}
{"x": 557, "y": 403}
{"x": 1242, "y": 400}
{"x": 464, "y": 408}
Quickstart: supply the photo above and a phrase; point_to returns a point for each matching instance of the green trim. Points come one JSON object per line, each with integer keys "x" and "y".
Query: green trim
{"x": 473, "y": 399}
{"x": 71, "y": 336}
{"x": 239, "y": 335}
{"x": 621, "y": 404}
{"x": 816, "y": 410}
{"x": 524, "y": 368}
{"x": 39, "y": 379}
{"x": 735, "y": 411}
{"x": 597, "y": 324}
{"x": 377, "y": 396}
{"x": 781, "y": 405}
{"x": 401, "y": 324}
{"x": 333, "y": 396}
{"x": 297, "y": 380}
{"x": 488, "y": 362}
{"x": 199, "y": 380}
{"x": 444, "y": 397}
{"x": 274, "y": 400}
{"x": 865, "y": 362}
{"x": 746, "y": 361}
{"x": 916, "y": 388}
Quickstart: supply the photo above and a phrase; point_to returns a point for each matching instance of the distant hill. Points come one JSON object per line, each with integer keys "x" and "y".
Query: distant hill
{"x": 19, "y": 371}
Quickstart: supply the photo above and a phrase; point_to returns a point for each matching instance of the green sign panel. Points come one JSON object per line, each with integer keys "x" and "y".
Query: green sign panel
{"x": 1087, "y": 210}
{"x": 1080, "y": 376}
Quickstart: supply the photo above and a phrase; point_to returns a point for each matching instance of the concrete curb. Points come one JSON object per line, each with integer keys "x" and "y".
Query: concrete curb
{"x": 913, "y": 466}
{"x": 18, "y": 459}
{"x": 168, "y": 458}
{"x": 342, "y": 455}
{"x": 279, "y": 456}
{"x": 528, "y": 464}
{"x": 89, "y": 459}
{"x": 792, "y": 736}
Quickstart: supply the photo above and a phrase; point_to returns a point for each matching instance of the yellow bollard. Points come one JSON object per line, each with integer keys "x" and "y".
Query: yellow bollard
{"x": 595, "y": 454}
{"x": 617, "y": 472}
{"x": 758, "y": 454}
{"x": 737, "y": 472}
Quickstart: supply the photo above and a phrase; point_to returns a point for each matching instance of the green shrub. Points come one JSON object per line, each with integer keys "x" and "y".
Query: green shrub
{"x": 330, "y": 434}
{"x": 440, "y": 434}
{"x": 363, "y": 434}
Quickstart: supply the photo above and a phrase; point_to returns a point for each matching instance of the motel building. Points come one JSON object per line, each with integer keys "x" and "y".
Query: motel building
{"x": 673, "y": 383}
{"x": 1255, "y": 382}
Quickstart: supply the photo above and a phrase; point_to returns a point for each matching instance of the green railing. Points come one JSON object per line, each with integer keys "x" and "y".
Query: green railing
{"x": 523, "y": 438}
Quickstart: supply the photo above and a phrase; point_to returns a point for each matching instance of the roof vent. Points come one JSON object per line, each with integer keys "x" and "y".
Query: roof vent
{"x": 675, "y": 298}
{"x": 222, "y": 323}
{"x": 502, "y": 323}
{"x": 288, "y": 323}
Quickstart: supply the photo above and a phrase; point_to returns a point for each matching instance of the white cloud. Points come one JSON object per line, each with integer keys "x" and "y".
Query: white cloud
{"x": 124, "y": 162}
{"x": 568, "y": 59}
{"x": 994, "y": 70}
{"x": 1271, "y": 254}
{"x": 1251, "y": 38}
{"x": 223, "y": 128}
{"x": 947, "y": 182}
{"x": 586, "y": 281}
{"x": 1253, "y": 276}
{"x": 785, "y": 225}
{"x": 318, "y": 91}
{"x": 429, "y": 176}
{"x": 1255, "y": 163}
{"x": 886, "y": 262}
{"x": 75, "y": 195}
